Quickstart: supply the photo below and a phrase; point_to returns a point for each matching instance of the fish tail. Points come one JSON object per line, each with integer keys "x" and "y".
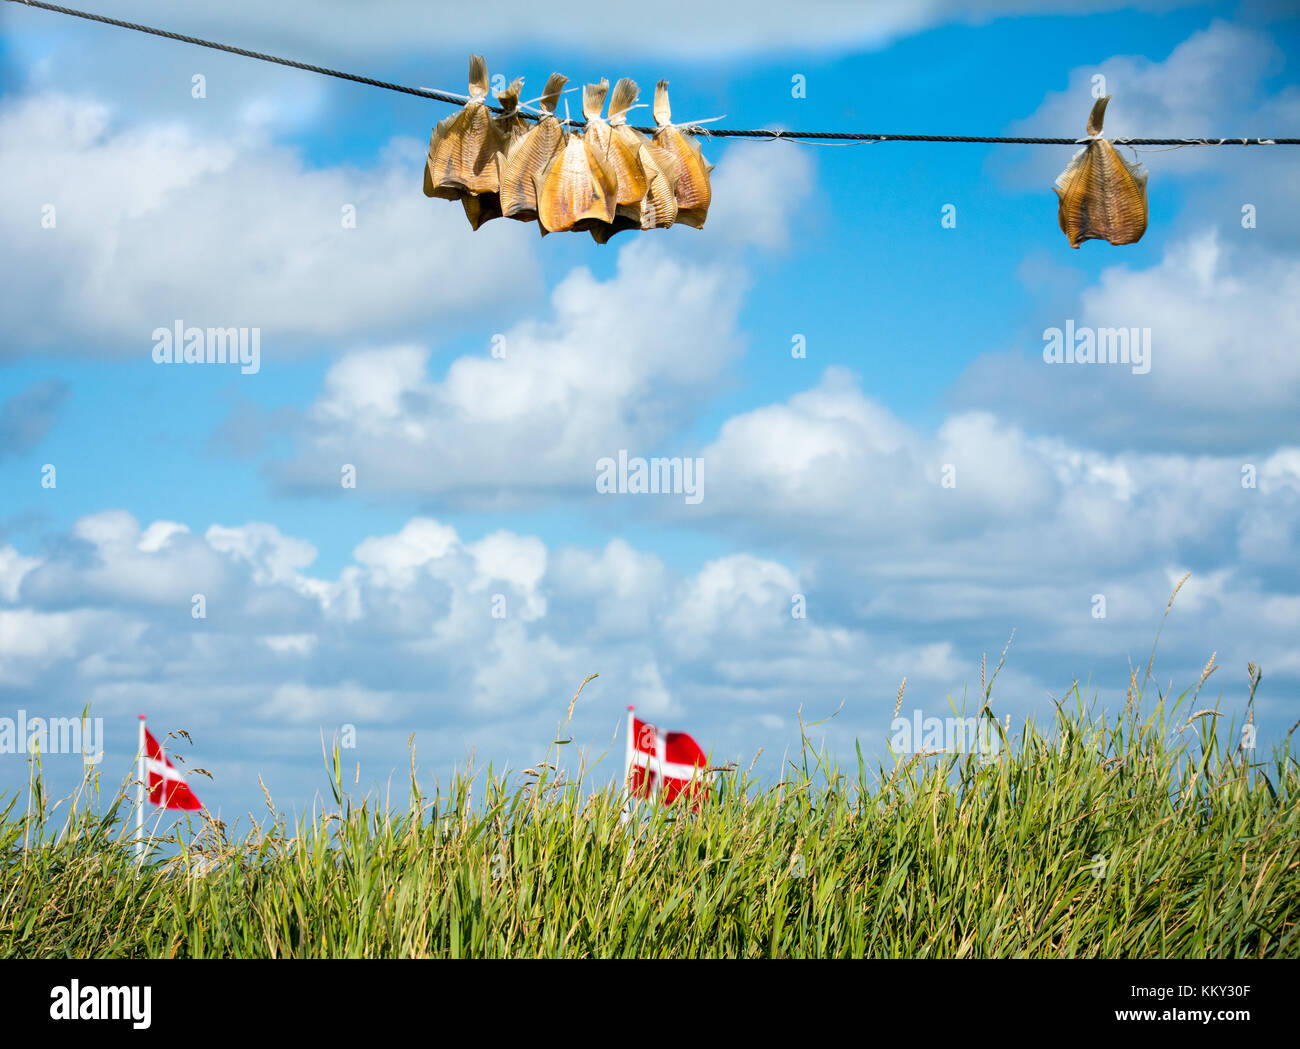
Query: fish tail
{"x": 593, "y": 99}
{"x": 551, "y": 95}
{"x": 625, "y": 93}
{"x": 1097, "y": 115}
{"x": 478, "y": 77}
{"x": 663, "y": 114}
{"x": 509, "y": 98}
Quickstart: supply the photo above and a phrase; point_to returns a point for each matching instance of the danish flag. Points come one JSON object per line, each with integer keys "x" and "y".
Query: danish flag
{"x": 668, "y": 764}
{"x": 167, "y": 787}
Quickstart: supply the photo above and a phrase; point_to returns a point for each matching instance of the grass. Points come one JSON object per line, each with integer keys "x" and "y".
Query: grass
{"x": 1143, "y": 835}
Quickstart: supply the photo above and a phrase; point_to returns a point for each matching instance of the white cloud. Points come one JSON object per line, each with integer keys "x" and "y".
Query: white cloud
{"x": 225, "y": 233}
{"x": 346, "y": 702}
{"x": 36, "y": 646}
{"x": 13, "y": 566}
{"x": 517, "y": 560}
{"x": 111, "y": 559}
{"x": 1206, "y": 87}
{"x": 291, "y": 644}
{"x": 1224, "y": 376}
{"x": 273, "y": 557}
{"x": 621, "y": 363}
{"x": 404, "y": 638}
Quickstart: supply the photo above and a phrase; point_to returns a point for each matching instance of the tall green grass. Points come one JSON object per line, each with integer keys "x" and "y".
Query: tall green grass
{"x": 1145, "y": 834}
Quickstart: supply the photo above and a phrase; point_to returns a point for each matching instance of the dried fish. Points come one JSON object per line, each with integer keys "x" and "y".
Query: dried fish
{"x": 606, "y": 179}
{"x": 659, "y": 208}
{"x": 463, "y": 148}
{"x": 620, "y": 145}
{"x": 645, "y": 193}
{"x": 685, "y": 165}
{"x": 578, "y": 188}
{"x": 510, "y": 123}
{"x": 530, "y": 155}
{"x": 1103, "y": 197}
{"x": 509, "y": 126}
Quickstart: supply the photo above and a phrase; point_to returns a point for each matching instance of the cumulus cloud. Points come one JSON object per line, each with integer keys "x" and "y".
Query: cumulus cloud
{"x": 1224, "y": 376}
{"x": 1209, "y": 85}
{"x": 236, "y": 232}
{"x": 423, "y": 631}
{"x": 833, "y": 462}
{"x": 565, "y": 393}
{"x": 620, "y": 363}
{"x": 861, "y": 477}
{"x": 484, "y": 639}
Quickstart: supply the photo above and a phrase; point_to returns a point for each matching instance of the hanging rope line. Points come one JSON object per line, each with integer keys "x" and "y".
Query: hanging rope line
{"x": 698, "y": 130}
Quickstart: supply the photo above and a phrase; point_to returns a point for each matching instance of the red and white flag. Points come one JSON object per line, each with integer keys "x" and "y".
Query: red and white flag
{"x": 666, "y": 764}
{"x": 167, "y": 787}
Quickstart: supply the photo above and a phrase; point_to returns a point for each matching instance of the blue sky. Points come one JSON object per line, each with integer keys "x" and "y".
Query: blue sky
{"x": 476, "y": 476}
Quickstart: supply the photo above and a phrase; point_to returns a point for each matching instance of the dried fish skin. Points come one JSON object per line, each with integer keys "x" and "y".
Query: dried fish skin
{"x": 647, "y": 174}
{"x": 617, "y": 143}
{"x": 1102, "y": 196}
{"x": 510, "y": 127}
{"x": 602, "y": 231}
{"x": 530, "y": 155}
{"x": 618, "y": 158}
{"x": 691, "y": 184}
{"x": 576, "y": 187}
{"x": 463, "y": 148}
{"x": 658, "y": 208}
{"x": 481, "y": 208}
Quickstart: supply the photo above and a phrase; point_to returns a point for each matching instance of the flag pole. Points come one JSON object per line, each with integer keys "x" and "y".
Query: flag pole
{"x": 627, "y": 765}
{"x": 139, "y": 797}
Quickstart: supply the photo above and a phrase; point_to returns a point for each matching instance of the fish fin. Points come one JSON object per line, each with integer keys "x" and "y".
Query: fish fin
{"x": 478, "y": 77}
{"x": 692, "y": 217}
{"x": 481, "y": 208}
{"x": 551, "y": 95}
{"x": 663, "y": 113}
{"x": 1097, "y": 115}
{"x": 625, "y": 93}
{"x": 593, "y": 99}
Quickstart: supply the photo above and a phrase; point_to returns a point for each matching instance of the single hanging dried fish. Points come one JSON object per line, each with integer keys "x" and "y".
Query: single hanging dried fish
{"x": 530, "y": 155}
{"x": 463, "y": 148}
{"x": 509, "y": 126}
{"x": 578, "y": 188}
{"x": 618, "y": 149}
{"x": 1103, "y": 197}
{"x": 645, "y": 194}
{"x": 692, "y": 170}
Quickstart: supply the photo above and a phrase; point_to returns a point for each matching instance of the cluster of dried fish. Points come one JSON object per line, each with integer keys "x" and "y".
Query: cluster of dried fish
{"x": 609, "y": 178}
{"x": 1103, "y": 197}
